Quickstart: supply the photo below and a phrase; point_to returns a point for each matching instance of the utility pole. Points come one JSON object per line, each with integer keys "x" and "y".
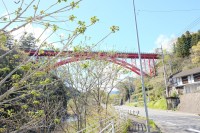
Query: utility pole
{"x": 141, "y": 72}
{"x": 164, "y": 70}
{"x": 129, "y": 89}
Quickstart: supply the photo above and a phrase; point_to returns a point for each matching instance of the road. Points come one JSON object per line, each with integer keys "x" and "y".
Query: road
{"x": 171, "y": 121}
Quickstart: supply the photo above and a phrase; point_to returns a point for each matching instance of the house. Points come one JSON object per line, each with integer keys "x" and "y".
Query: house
{"x": 187, "y": 81}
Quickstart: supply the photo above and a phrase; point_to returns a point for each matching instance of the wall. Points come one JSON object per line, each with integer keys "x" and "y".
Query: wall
{"x": 190, "y": 103}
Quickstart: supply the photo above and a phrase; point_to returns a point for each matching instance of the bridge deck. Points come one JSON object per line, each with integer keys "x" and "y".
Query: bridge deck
{"x": 102, "y": 54}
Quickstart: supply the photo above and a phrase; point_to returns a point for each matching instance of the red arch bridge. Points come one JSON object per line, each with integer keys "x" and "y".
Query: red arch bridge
{"x": 127, "y": 60}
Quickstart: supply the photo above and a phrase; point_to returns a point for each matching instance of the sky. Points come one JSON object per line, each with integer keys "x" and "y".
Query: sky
{"x": 159, "y": 22}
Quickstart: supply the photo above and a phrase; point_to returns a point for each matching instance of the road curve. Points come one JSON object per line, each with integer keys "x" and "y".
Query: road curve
{"x": 171, "y": 121}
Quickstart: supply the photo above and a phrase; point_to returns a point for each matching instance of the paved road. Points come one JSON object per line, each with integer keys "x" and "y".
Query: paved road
{"x": 170, "y": 121}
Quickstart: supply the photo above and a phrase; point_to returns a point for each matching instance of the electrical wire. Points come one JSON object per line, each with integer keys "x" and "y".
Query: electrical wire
{"x": 168, "y": 11}
{"x": 190, "y": 26}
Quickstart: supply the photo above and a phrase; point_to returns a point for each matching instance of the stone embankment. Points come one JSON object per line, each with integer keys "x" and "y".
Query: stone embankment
{"x": 190, "y": 103}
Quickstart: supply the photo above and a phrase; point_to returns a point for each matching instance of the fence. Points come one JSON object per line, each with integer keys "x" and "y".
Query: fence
{"x": 113, "y": 124}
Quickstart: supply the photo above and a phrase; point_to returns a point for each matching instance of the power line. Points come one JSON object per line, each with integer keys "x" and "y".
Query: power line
{"x": 168, "y": 11}
{"x": 190, "y": 26}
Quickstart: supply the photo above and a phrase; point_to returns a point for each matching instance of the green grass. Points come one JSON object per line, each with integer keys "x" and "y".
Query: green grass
{"x": 126, "y": 125}
{"x": 152, "y": 124}
{"x": 159, "y": 104}
{"x": 135, "y": 104}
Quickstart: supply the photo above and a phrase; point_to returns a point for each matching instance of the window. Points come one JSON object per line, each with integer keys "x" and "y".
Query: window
{"x": 196, "y": 77}
{"x": 185, "y": 80}
{"x": 180, "y": 90}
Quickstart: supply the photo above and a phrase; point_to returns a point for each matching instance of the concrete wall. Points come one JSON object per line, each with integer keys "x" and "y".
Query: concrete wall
{"x": 190, "y": 103}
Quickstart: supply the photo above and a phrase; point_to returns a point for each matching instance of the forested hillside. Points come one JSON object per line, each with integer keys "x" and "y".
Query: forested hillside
{"x": 185, "y": 55}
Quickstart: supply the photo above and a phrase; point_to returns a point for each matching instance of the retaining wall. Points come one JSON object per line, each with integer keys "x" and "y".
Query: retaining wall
{"x": 190, "y": 103}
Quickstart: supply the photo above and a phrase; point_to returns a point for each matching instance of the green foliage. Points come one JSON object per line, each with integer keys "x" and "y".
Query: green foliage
{"x": 126, "y": 88}
{"x": 152, "y": 124}
{"x": 159, "y": 104}
{"x": 114, "y": 28}
{"x": 85, "y": 65}
{"x": 57, "y": 121}
{"x": 28, "y": 41}
{"x": 25, "y": 67}
{"x": 6, "y": 41}
{"x": 55, "y": 27}
{"x": 73, "y": 4}
{"x": 24, "y": 106}
{"x": 78, "y": 48}
{"x": 39, "y": 74}
{"x": 62, "y": 0}
{"x": 114, "y": 99}
{"x": 36, "y": 98}
{"x": 135, "y": 104}
{"x": 72, "y": 17}
{"x": 94, "y": 20}
{"x": 185, "y": 42}
{"x": 195, "y": 53}
{"x": 45, "y": 82}
{"x": 36, "y": 102}
{"x": 126, "y": 126}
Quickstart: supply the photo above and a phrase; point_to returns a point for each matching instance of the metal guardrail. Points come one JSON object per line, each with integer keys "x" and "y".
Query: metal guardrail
{"x": 127, "y": 111}
{"x": 109, "y": 128}
{"x": 135, "y": 126}
{"x": 111, "y": 122}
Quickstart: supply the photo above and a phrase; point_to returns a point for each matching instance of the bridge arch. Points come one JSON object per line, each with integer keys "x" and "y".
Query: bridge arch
{"x": 117, "y": 58}
{"x": 113, "y": 60}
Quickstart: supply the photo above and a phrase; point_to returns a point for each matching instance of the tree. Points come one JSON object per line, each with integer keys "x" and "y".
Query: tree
{"x": 179, "y": 47}
{"x": 27, "y": 41}
{"x": 195, "y": 53}
{"x": 32, "y": 97}
{"x": 38, "y": 104}
{"x": 7, "y": 40}
{"x": 185, "y": 42}
{"x": 93, "y": 80}
{"x": 126, "y": 88}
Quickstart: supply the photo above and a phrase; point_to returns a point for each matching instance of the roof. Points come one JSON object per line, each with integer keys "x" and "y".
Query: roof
{"x": 187, "y": 72}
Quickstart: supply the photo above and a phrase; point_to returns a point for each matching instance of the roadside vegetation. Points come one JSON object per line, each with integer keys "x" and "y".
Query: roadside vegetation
{"x": 37, "y": 96}
{"x": 158, "y": 104}
{"x": 183, "y": 55}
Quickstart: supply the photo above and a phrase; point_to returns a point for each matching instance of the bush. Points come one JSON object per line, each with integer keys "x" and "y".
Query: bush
{"x": 159, "y": 104}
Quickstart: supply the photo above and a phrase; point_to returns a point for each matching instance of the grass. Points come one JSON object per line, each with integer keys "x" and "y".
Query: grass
{"x": 135, "y": 104}
{"x": 126, "y": 125}
{"x": 159, "y": 104}
{"x": 152, "y": 124}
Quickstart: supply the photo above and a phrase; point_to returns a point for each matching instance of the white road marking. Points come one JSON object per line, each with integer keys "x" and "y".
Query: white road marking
{"x": 193, "y": 130}
{"x": 169, "y": 123}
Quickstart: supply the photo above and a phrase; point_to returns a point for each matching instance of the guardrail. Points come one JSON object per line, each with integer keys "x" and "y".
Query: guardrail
{"x": 109, "y": 128}
{"x": 108, "y": 121}
{"x": 128, "y": 111}
{"x": 111, "y": 124}
{"x": 135, "y": 125}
